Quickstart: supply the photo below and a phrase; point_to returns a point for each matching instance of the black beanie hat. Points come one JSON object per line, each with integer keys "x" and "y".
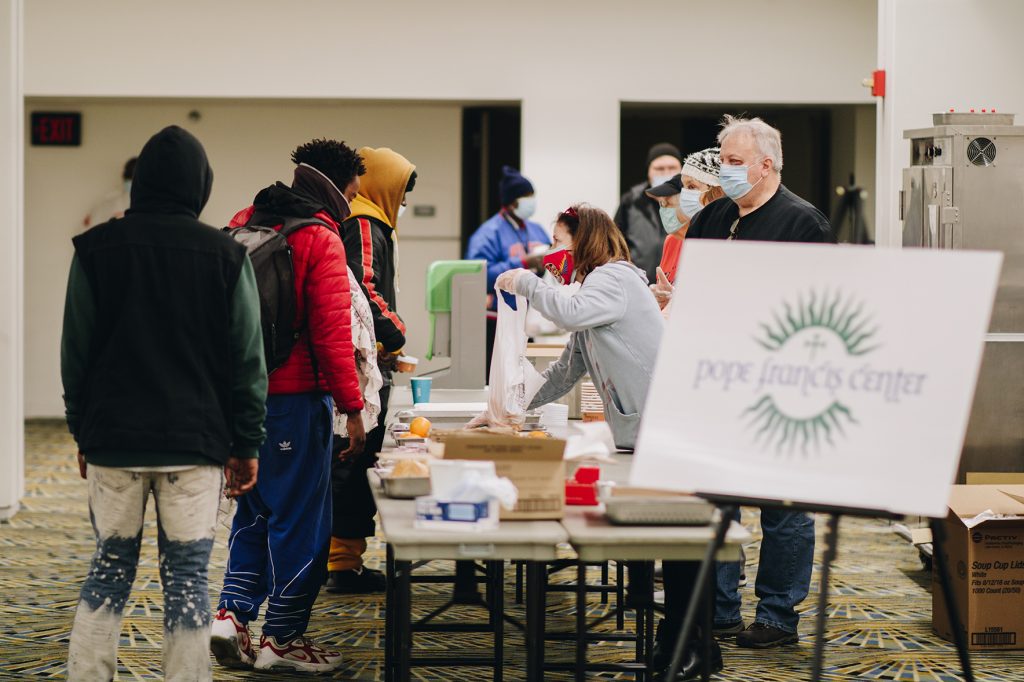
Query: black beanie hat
{"x": 663, "y": 149}
{"x": 513, "y": 185}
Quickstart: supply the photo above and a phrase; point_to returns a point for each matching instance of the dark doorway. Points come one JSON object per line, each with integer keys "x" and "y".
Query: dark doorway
{"x": 806, "y": 139}
{"x": 490, "y": 140}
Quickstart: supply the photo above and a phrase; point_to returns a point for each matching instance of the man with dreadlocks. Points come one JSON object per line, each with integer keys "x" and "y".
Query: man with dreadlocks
{"x": 282, "y": 529}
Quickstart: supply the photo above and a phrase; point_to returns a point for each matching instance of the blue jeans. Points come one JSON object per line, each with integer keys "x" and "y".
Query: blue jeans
{"x": 783, "y": 574}
{"x": 282, "y": 528}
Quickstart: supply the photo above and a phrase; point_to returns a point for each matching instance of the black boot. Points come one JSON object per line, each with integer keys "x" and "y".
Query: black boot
{"x": 661, "y": 657}
{"x": 356, "y": 581}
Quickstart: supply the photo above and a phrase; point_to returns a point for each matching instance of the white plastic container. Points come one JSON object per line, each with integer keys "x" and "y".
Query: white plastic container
{"x": 447, "y": 474}
{"x": 554, "y": 415}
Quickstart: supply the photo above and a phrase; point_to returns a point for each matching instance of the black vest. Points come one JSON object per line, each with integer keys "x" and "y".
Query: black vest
{"x": 160, "y": 366}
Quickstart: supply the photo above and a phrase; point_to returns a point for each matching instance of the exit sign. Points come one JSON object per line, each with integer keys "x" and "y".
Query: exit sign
{"x": 56, "y": 129}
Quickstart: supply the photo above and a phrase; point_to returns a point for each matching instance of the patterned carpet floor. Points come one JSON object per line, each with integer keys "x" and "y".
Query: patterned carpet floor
{"x": 879, "y": 624}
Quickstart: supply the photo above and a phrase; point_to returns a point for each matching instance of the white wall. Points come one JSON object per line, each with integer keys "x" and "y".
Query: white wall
{"x": 248, "y": 144}
{"x": 569, "y": 62}
{"x": 940, "y": 54}
{"x": 12, "y": 432}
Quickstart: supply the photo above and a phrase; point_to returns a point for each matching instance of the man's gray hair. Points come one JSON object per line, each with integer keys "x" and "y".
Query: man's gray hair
{"x": 768, "y": 140}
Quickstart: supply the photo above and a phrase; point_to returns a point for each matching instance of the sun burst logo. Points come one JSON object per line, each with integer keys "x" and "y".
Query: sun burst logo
{"x": 809, "y": 344}
{"x": 843, "y": 318}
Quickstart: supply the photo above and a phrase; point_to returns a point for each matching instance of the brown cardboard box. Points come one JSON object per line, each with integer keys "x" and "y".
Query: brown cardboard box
{"x": 994, "y": 478}
{"x": 535, "y": 465}
{"x": 986, "y": 565}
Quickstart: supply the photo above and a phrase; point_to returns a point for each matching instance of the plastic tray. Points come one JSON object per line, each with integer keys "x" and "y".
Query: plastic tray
{"x": 658, "y": 511}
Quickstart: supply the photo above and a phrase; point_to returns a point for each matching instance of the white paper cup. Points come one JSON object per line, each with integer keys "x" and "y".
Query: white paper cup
{"x": 554, "y": 415}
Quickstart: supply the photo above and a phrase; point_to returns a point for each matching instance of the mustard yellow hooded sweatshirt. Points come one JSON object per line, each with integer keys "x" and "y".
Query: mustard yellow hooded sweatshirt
{"x": 369, "y": 235}
{"x": 370, "y": 240}
{"x": 382, "y": 188}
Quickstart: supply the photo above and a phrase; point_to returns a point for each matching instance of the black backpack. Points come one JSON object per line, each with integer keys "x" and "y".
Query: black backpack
{"x": 271, "y": 258}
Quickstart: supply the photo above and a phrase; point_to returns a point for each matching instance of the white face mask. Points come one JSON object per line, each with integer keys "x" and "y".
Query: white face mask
{"x": 401, "y": 210}
{"x": 525, "y": 207}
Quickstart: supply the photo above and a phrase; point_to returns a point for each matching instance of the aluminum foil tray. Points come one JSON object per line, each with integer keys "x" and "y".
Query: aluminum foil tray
{"x": 658, "y": 511}
{"x": 406, "y": 488}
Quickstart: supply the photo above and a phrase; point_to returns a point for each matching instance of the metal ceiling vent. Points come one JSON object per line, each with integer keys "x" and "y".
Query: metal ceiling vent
{"x": 981, "y": 151}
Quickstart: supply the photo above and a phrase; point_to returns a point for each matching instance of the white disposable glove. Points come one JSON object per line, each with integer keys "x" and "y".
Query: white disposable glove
{"x": 507, "y": 280}
{"x": 663, "y": 289}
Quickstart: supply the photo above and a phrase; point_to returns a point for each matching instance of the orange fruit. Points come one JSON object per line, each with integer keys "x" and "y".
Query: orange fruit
{"x": 536, "y": 434}
{"x": 420, "y": 426}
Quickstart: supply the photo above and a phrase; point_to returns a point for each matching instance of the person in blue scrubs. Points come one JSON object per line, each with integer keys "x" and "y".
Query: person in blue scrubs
{"x": 507, "y": 240}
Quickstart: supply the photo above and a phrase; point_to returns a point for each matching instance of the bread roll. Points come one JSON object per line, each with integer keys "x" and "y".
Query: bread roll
{"x": 410, "y": 468}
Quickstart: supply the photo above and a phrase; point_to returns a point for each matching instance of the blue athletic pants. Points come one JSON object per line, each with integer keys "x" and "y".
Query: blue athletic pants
{"x": 281, "y": 532}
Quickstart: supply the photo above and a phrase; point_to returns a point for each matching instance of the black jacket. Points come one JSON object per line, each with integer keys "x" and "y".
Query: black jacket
{"x": 785, "y": 217}
{"x": 159, "y": 377}
{"x": 370, "y": 250}
{"x": 640, "y": 223}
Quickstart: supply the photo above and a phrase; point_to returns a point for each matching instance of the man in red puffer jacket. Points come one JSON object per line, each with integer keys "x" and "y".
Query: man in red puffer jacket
{"x": 281, "y": 531}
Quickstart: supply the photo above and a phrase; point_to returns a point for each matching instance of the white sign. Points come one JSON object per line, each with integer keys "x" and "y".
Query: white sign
{"x": 817, "y": 374}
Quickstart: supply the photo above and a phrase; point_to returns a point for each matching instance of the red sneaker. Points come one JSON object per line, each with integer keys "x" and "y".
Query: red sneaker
{"x": 300, "y": 654}
{"x": 231, "y": 642}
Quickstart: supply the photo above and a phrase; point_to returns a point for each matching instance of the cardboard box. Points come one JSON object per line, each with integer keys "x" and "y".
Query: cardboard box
{"x": 986, "y": 566}
{"x": 535, "y": 465}
{"x": 994, "y": 478}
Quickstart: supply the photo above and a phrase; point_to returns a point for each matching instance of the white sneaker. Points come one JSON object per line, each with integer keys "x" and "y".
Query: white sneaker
{"x": 300, "y": 654}
{"x": 231, "y": 642}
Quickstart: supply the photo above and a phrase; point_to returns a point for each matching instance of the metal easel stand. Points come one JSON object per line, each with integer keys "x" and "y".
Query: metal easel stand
{"x": 725, "y": 516}
{"x": 940, "y": 559}
{"x": 829, "y": 556}
{"x": 831, "y": 546}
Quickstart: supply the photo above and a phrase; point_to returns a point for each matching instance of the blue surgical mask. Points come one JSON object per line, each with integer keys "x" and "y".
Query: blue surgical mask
{"x": 525, "y": 207}
{"x": 689, "y": 202}
{"x": 669, "y": 219}
{"x": 734, "y": 181}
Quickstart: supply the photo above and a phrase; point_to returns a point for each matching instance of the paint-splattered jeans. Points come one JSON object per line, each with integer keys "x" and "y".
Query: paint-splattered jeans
{"x": 186, "y": 507}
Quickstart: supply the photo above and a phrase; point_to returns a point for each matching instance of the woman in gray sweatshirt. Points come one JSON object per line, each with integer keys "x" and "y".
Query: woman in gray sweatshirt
{"x": 615, "y": 322}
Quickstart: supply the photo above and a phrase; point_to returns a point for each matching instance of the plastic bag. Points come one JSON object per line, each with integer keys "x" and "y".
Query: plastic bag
{"x": 537, "y": 324}
{"x": 370, "y": 378}
{"x": 514, "y": 380}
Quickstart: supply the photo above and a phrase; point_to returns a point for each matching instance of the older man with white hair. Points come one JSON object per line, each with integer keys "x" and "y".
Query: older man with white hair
{"x": 758, "y": 207}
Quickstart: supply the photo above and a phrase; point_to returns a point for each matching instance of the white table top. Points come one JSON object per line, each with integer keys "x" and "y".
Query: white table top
{"x": 596, "y": 539}
{"x": 592, "y": 536}
{"x": 526, "y": 540}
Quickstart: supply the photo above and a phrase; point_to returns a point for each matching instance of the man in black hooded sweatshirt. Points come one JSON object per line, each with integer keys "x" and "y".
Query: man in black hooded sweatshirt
{"x": 164, "y": 386}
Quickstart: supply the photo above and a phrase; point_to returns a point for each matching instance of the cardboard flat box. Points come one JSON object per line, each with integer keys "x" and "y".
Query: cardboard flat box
{"x": 535, "y": 465}
{"x": 986, "y": 566}
{"x": 994, "y": 478}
